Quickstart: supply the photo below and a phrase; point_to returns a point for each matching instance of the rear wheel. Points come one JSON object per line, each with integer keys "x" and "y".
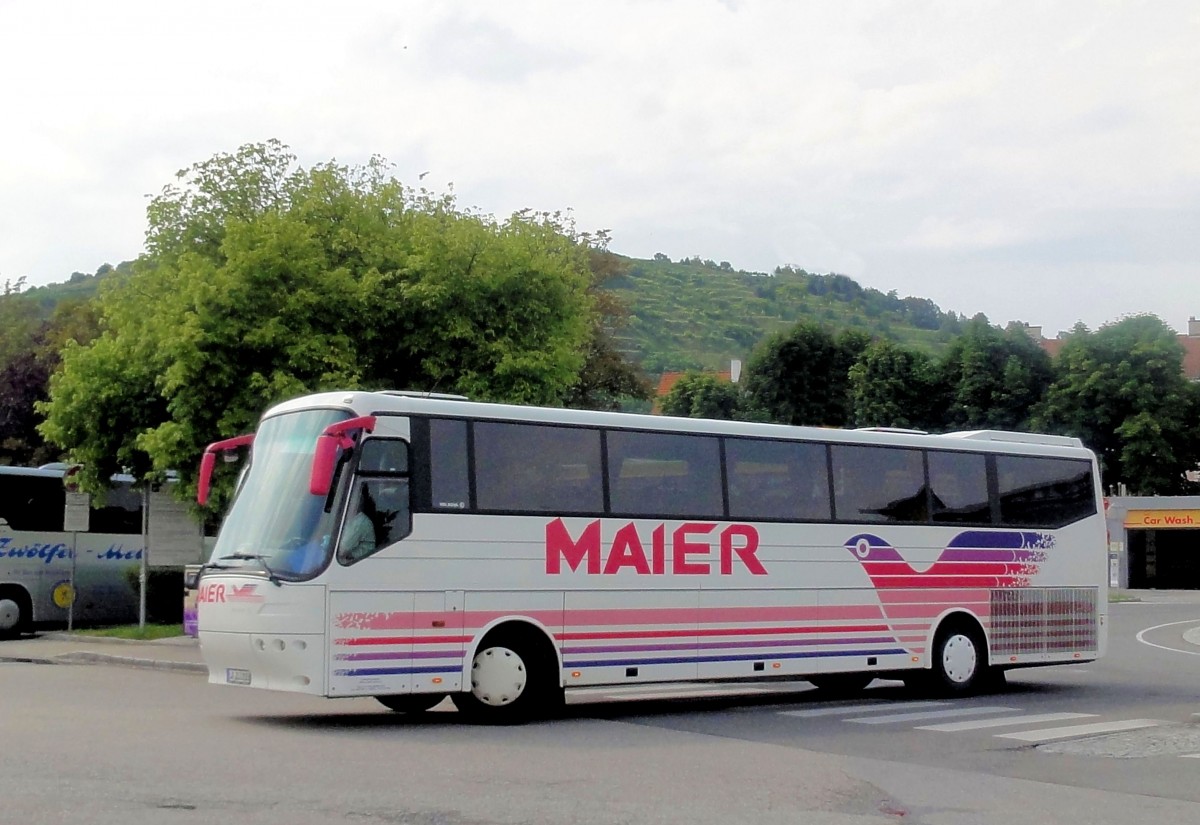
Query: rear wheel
{"x": 960, "y": 665}
{"x": 410, "y": 702}
{"x": 512, "y": 680}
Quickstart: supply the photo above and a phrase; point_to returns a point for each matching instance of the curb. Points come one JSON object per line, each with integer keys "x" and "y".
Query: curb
{"x": 85, "y": 658}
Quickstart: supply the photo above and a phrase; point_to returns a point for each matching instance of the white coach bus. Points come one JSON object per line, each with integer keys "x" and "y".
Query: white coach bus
{"x": 513, "y": 553}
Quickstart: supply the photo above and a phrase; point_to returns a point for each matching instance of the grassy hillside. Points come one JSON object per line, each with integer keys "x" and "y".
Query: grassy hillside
{"x": 697, "y": 314}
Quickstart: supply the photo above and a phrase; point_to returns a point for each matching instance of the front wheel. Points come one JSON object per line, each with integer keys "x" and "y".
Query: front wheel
{"x": 512, "y": 680}
{"x": 14, "y": 613}
{"x": 410, "y": 702}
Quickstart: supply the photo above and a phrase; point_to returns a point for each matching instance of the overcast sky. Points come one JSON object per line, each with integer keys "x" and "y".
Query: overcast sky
{"x": 1035, "y": 161}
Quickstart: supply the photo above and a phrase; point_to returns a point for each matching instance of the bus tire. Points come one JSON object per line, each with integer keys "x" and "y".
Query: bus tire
{"x": 16, "y": 610}
{"x": 960, "y": 660}
{"x": 512, "y": 679}
{"x": 841, "y": 684}
{"x": 411, "y": 702}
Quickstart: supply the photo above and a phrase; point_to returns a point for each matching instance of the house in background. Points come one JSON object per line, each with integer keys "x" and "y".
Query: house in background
{"x": 669, "y": 379}
{"x": 1189, "y": 340}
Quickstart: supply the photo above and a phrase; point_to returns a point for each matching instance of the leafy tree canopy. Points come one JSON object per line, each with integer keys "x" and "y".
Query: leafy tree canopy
{"x": 801, "y": 376}
{"x": 702, "y": 395}
{"x": 262, "y": 280}
{"x": 993, "y": 378}
{"x": 891, "y": 386}
{"x": 1122, "y": 390}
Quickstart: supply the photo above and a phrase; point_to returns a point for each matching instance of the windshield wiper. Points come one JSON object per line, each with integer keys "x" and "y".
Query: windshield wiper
{"x": 271, "y": 577}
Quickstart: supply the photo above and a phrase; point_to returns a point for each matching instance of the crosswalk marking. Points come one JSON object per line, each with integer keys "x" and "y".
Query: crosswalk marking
{"x": 877, "y": 707}
{"x": 930, "y": 714}
{"x": 1029, "y": 719}
{"x": 1048, "y": 734}
{"x": 1190, "y": 755}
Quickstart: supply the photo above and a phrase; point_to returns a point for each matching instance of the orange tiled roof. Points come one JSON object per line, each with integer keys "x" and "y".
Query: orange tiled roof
{"x": 670, "y": 379}
{"x": 1191, "y": 352}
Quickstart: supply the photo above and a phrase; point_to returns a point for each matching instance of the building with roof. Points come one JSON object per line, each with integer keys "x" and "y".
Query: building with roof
{"x": 669, "y": 379}
{"x": 1190, "y": 341}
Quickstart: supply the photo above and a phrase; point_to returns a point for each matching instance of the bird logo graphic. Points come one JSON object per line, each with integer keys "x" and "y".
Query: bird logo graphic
{"x": 972, "y": 559}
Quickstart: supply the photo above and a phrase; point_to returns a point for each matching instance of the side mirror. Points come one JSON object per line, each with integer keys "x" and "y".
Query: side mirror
{"x": 191, "y": 576}
{"x": 209, "y": 459}
{"x": 336, "y": 436}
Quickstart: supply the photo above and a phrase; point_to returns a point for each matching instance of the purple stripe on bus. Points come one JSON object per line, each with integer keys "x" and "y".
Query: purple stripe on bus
{"x": 881, "y": 640}
{"x": 1002, "y": 539}
{"x": 688, "y": 660}
{"x": 399, "y": 654}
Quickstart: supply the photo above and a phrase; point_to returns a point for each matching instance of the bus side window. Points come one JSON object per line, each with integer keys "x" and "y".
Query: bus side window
{"x": 533, "y": 468}
{"x": 380, "y": 516}
{"x": 448, "y": 468}
{"x": 32, "y": 503}
{"x": 665, "y": 474}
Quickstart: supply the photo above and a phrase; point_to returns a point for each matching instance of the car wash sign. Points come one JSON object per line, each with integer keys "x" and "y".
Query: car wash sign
{"x": 1162, "y": 519}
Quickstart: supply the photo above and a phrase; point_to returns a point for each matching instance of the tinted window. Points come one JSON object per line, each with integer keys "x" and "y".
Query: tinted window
{"x": 379, "y": 515}
{"x": 30, "y": 502}
{"x": 537, "y": 468}
{"x": 777, "y": 480}
{"x": 121, "y": 512}
{"x": 658, "y": 474}
{"x": 1044, "y": 492}
{"x": 879, "y": 484}
{"x": 448, "y": 473}
{"x": 383, "y": 455}
{"x": 960, "y": 488}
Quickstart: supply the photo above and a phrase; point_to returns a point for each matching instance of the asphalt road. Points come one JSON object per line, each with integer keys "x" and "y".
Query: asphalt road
{"x": 105, "y": 744}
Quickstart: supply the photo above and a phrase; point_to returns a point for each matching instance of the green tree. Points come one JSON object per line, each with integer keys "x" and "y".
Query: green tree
{"x": 29, "y": 353}
{"x": 801, "y": 376}
{"x": 608, "y": 380}
{"x": 703, "y": 395}
{"x": 993, "y": 379}
{"x": 263, "y": 280}
{"x": 1122, "y": 390}
{"x": 891, "y": 386}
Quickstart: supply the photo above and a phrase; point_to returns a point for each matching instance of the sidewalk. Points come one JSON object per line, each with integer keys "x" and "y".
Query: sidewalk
{"x": 180, "y": 653}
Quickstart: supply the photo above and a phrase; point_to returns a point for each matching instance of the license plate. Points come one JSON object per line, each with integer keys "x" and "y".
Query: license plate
{"x": 237, "y": 676}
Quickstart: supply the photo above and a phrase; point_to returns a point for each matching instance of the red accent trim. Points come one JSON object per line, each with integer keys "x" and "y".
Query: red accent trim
{"x": 209, "y": 459}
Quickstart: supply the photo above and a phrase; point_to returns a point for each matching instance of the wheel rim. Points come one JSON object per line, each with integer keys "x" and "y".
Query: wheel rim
{"x": 498, "y": 676}
{"x": 10, "y": 614}
{"x": 959, "y": 659}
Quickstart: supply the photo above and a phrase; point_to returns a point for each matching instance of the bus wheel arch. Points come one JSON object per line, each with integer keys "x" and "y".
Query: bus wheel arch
{"x": 16, "y": 610}
{"x": 514, "y": 675}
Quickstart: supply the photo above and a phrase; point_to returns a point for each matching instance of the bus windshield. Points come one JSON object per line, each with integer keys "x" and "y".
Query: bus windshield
{"x": 274, "y": 522}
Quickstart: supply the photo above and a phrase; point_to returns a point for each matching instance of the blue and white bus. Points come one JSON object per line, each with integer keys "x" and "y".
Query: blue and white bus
{"x": 53, "y": 576}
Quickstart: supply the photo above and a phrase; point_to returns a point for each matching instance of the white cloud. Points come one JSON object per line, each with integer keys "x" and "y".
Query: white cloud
{"x": 939, "y": 149}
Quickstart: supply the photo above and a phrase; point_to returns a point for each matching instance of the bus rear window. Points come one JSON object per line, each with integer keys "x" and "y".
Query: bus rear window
{"x": 1049, "y": 492}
